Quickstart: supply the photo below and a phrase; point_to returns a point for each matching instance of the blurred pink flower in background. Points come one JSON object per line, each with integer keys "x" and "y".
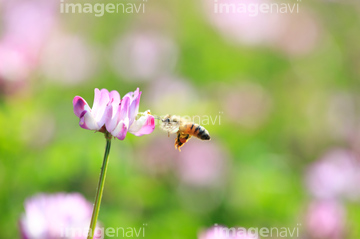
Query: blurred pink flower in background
{"x": 29, "y": 22}
{"x": 241, "y": 27}
{"x": 15, "y": 68}
{"x": 247, "y": 104}
{"x": 300, "y": 35}
{"x": 220, "y": 232}
{"x": 15, "y": 62}
{"x": 202, "y": 164}
{"x": 118, "y": 116}
{"x": 336, "y": 174}
{"x": 29, "y": 40}
{"x": 202, "y": 171}
{"x": 158, "y": 157}
{"x": 325, "y": 220}
{"x": 293, "y": 33}
{"x": 26, "y": 26}
{"x": 51, "y": 216}
{"x": 144, "y": 56}
{"x": 68, "y": 59}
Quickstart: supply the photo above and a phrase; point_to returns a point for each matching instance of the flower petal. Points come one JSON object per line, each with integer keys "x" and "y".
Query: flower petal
{"x": 114, "y": 97}
{"x": 79, "y": 105}
{"x": 97, "y": 97}
{"x": 125, "y": 104}
{"x": 134, "y": 107}
{"x": 101, "y": 100}
{"x": 87, "y": 121}
{"x": 112, "y": 113}
{"x": 132, "y": 94}
{"x": 119, "y": 123}
{"x": 144, "y": 125}
{"x": 121, "y": 129}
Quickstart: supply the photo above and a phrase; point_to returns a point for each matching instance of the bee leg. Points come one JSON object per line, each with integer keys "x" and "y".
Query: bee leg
{"x": 168, "y": 134}
{"x": 178, "y": 142}
{"x": 181, "y": 140}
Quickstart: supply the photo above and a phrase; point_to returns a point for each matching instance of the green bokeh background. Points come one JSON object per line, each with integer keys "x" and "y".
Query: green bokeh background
{"x": 264, "y": 186}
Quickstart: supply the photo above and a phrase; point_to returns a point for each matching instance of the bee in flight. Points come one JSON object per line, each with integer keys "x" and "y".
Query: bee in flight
{"x": 184, "y": 129}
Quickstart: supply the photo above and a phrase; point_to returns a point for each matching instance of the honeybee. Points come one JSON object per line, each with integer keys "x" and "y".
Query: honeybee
{"x": 184, "y": 129}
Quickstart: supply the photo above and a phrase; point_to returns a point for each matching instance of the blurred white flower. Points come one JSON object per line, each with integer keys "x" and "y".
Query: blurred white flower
{"x": 144, "y": 56}
{"x": 68, "y": 59}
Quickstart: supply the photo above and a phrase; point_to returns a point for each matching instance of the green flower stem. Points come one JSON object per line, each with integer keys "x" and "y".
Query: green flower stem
{"x": 100, "y": 187}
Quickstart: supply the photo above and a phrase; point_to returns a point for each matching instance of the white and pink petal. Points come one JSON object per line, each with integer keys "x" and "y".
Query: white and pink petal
{"x": 117, "y": 115}
{"x": 101, "y": 100}
{"x": 114, "y": 97}
{"x": 121, "y": 129}
{"x": 144, "y": 125}
{"x": 111, "y": 120}
{"x": 134, "y": 107}
{"x": 87, "y": 121}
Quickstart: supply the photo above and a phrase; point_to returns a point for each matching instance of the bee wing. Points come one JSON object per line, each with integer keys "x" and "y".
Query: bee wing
{"x": 171, "y": 124}
{"x": 171, "y": 128}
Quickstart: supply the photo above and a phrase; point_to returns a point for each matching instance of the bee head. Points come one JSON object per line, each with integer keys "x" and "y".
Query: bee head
{"x": 166, "y": 119}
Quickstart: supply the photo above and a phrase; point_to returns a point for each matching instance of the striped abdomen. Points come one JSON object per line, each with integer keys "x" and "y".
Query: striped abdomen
{"x": 196, "y": 130}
